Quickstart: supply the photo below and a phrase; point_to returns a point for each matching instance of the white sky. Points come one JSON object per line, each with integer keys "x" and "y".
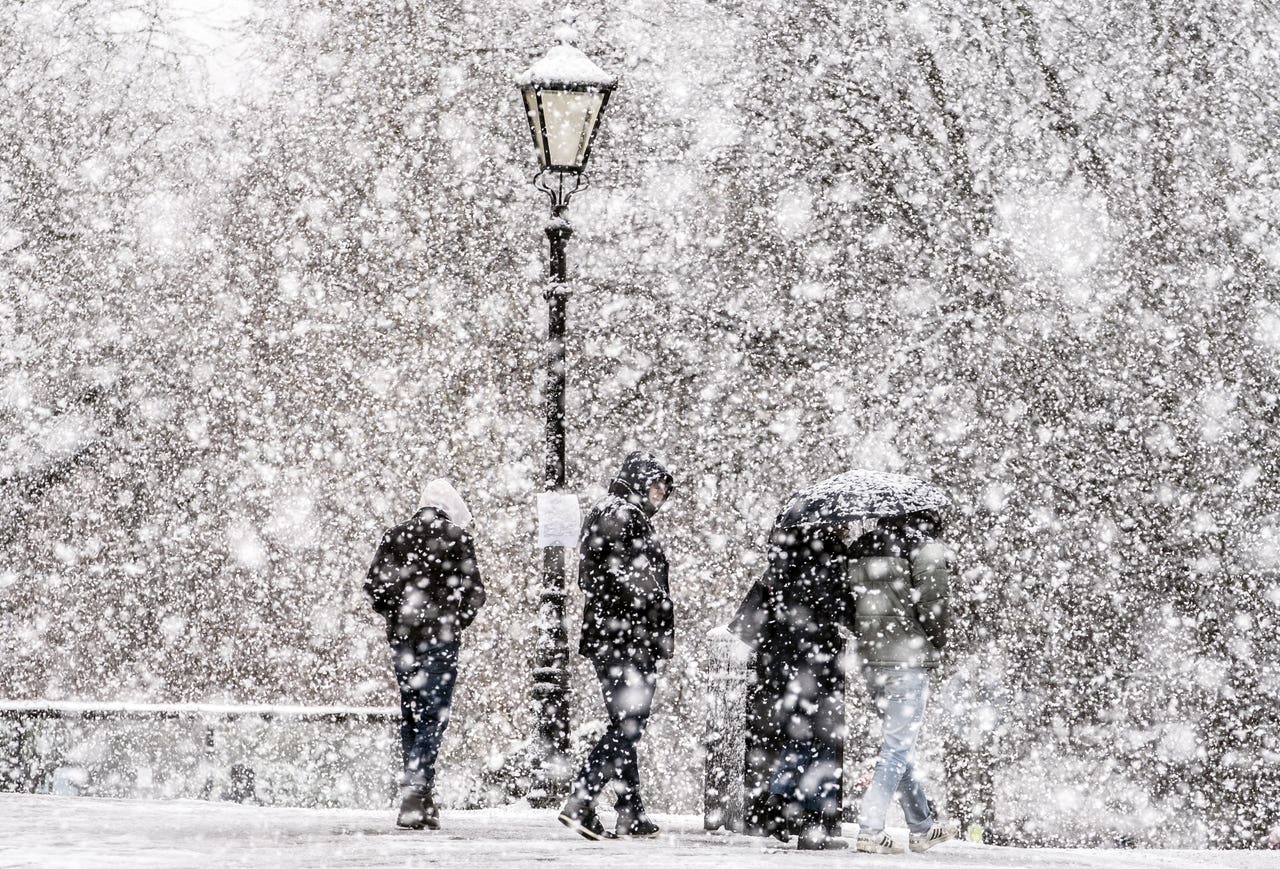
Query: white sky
{"x": 219, "y": 26}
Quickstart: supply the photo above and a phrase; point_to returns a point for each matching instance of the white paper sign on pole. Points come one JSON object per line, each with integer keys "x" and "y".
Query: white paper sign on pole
{"x": 559, "y": 519}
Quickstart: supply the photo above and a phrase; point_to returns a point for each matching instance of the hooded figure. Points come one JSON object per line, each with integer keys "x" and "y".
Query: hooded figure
{"x": 628, "y": 625}
{"x": 440, "y": 494}
{"x": 424, "y": 581}
{"x": 622, "y": 571}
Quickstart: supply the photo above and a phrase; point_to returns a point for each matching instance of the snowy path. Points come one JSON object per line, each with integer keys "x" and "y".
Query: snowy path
{"x": 50, "y": 831}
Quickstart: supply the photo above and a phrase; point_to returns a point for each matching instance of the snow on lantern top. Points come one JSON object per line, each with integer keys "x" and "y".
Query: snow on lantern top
{"x": 564, "y": 96}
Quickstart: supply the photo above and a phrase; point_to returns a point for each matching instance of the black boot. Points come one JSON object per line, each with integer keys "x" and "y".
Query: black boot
{"x": 813, "y": 837}
{"x": 417, "y": 810}
{"x": 580, "y": 817}
{"x": 774, "y": 821}
{"x": 431, "y": 814}
{"x": 633, "y": 823}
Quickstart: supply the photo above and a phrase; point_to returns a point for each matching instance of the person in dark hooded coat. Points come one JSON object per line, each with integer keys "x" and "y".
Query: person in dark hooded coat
{"x": 628, "y": 625}
{"x": 425, "y": 582}
{"x": 795, "y": 704}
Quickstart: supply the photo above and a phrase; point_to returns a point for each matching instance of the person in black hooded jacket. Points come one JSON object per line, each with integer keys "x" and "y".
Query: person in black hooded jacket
{"x": 628, "y": 625}
{"x": 425, "y": 583}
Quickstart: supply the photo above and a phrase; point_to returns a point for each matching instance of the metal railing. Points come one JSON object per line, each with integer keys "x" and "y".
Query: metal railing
{"x": 18, "y": 709}
{"x": 205, "y": 751}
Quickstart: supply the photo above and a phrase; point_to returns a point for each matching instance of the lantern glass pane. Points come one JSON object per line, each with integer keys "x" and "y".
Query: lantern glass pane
{"x": 535, "y": 125}
{"x": 593, "y": 118}
{"x": 570, "y": 118}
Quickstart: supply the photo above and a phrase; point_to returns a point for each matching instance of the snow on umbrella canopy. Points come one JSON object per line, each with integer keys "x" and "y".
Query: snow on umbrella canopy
{"x": 858, "y": 495}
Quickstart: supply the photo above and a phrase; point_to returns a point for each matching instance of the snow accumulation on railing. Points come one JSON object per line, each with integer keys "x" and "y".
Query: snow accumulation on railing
{"x": 85, "y": 709}
{"x": 272, "y": 754}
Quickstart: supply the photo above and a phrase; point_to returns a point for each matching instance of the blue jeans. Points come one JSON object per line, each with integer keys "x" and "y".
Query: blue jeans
{"x": 807, "y": 773}
{"x": 628, "y": 698}
{"x": 900, "y": 695}
{"x": 426, "y": 673}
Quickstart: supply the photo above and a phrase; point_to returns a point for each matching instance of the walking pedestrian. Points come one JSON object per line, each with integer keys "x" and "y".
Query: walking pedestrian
{"x": 796, "y": 701}
{"x": 900, "y": 573}
{"x": 425, "y": 582}
{"x": 628, "y": 625}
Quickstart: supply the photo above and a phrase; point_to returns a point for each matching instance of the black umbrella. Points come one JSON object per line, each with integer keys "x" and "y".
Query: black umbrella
{"x": 858, "y": 495}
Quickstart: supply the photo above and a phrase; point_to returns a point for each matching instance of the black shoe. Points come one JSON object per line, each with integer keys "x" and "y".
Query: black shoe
{"x": 635, "y": 827}
{"x": 774, "y": 821}
{"x": 815, "y": 838}
{"x": 815, "y": 835}
{"x": 417, "y": 810}
{"x": 582, "y": 819}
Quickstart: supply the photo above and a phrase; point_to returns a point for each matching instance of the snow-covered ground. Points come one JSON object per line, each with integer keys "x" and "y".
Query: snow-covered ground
{"x": 48, "y": 831}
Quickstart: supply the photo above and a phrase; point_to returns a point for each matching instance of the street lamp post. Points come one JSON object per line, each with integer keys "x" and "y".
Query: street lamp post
{"x": 564, "y": 96}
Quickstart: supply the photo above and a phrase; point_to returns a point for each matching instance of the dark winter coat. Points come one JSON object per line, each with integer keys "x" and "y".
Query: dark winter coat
{"x": 901, "y": 578}
{"x": 424, "y": 580}
{"x": 792, "y": 618}
{"x": 795, "y": 611}
{"x": 622, "y": 571}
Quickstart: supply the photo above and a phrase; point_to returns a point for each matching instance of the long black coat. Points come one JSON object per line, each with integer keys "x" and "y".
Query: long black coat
{"x": 623, "y": 573}
{"x": 424, "y": 579}
{"x": 791, "y": 617}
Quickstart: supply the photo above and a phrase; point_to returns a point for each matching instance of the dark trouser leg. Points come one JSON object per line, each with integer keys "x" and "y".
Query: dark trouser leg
{"x": 607, "y": 759}
{"x": 628, "y": 697}
{"x": 426, "y": 674}
{"x": 765, "y": 723}
{"x": 408, "y": 727}
{"x": 808, "y": 771}
{"x": 629, "y": 801}
{"x": 793, "y": 760}
{"x": 832, "y": 733}
{"x": 404, "y": 665}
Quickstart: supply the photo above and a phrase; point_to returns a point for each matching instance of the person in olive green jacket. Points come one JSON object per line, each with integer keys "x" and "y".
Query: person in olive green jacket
{"x": 900, "y": 573}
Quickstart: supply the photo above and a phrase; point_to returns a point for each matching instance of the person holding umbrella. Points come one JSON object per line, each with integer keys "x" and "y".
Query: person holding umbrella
{"x": 898, "y": 574}
{"x": 796, "y": 702}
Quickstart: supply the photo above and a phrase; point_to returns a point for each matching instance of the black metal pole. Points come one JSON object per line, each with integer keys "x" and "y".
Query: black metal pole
{"x": 551, "y": 667}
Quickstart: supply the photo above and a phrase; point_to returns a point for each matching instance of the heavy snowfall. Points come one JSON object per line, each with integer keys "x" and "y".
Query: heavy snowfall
{"x": 268, "y": 267}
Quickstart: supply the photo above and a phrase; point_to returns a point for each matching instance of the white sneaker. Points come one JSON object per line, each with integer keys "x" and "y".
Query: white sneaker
{"x": 935, "y": 835}
{"x": 877, "y": 843}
